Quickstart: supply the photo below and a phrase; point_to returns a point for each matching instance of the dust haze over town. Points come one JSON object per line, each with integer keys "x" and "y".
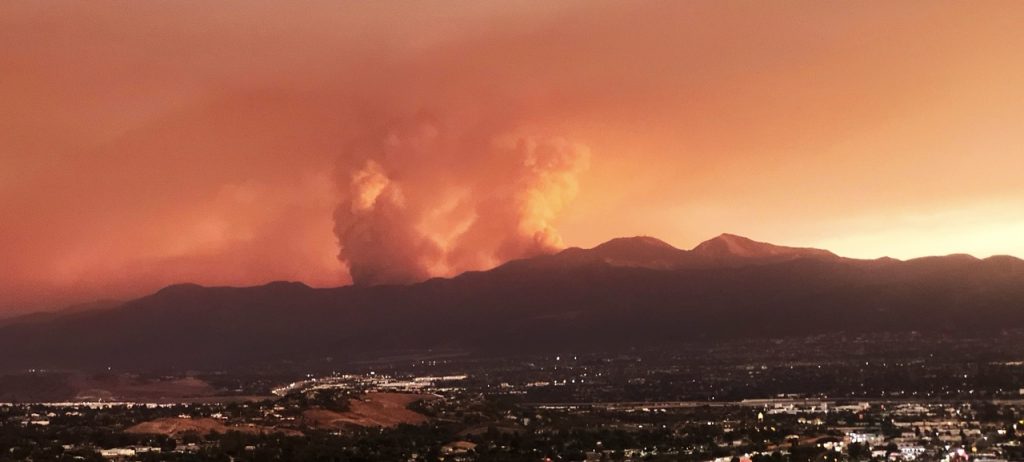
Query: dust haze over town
{"x": 573, "y": 230}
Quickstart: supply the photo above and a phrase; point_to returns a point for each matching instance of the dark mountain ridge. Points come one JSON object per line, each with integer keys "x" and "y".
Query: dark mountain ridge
{"x": 626, "y": 292}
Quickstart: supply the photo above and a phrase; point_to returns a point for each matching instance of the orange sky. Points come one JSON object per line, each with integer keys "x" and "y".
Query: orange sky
{"x": 148, "y": 143}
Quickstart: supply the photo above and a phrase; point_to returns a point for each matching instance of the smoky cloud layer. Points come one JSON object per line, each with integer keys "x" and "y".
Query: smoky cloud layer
{"x": 422, "y": 199}
{"x": 144, "y": 144}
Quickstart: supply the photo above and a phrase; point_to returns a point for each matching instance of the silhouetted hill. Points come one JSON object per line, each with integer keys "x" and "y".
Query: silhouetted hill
{"x": 626, "y": 292}
{"x": 732, "y": 247}
{"x": 43, "y": 316}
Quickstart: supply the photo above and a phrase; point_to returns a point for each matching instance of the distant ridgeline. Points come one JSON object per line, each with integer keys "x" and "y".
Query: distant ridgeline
{"x": 626, "y": 292}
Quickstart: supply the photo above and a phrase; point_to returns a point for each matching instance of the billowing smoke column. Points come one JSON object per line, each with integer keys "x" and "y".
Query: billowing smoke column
{"x": 421, "y": 199}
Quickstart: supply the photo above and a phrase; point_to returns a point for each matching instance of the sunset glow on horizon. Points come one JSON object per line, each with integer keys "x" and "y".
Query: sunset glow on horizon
{"x": 144, "y": 144}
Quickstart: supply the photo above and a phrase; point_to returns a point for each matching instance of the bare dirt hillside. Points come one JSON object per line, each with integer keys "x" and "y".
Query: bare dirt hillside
{"x": 371, "y": 410}
{"x": 177, "y": 426}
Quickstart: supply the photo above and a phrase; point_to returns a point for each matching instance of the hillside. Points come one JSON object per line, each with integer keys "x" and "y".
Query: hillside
{"x": 626, "y": 292}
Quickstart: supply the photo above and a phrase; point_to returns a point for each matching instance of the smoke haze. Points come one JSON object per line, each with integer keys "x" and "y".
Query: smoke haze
{"x": 150, "y": 143}
{"x": 424, "y": 198}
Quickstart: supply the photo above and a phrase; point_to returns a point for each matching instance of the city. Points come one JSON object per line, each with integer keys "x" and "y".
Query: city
{"x": 756, "y": 400}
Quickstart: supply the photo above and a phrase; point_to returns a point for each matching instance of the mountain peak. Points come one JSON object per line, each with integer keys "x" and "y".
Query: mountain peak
{"x": 638, "y": 251}
{"x": 180, "y": 288}
{"x": 636, "y": 242}
{"x": 733, "y": 246}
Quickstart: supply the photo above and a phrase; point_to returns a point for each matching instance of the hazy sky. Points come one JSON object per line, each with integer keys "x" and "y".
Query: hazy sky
{"x": 149, "y": 143}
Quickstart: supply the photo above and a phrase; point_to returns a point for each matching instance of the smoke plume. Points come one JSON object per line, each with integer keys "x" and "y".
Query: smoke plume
{"x": 144, "y": 144}
{"x": 422, "y": 199}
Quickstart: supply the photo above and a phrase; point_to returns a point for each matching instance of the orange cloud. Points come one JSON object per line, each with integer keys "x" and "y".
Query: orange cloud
{"x": 145, "y": 144}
